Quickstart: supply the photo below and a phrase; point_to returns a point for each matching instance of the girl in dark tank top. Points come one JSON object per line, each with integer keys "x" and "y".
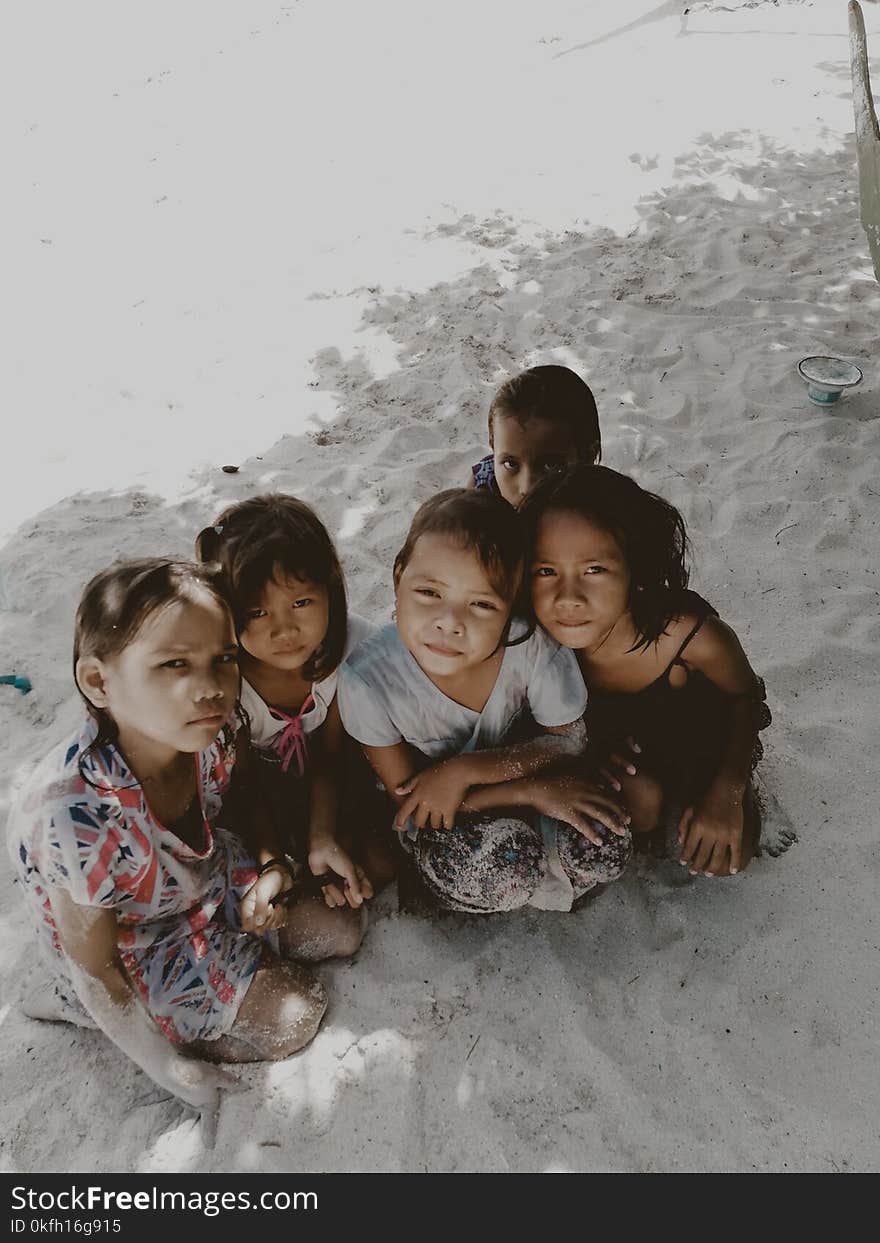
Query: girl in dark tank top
{"x": 662, "y": 669}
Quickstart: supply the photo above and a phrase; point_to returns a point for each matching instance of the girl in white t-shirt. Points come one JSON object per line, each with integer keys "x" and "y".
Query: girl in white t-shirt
{"x": 436, "y": 701}
{"x": 294, "y": 630}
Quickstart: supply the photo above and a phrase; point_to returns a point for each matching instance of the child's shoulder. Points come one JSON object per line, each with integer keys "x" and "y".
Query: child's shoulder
{"x": 77, "y": 767}
{"x": 71, "y": 824}
{"x": 68, "y": 791}
{"x": 378, "y": 647}
{"x": 373, "y": 682}
{"x": 691, "y": 613}
{"x": 532, "y": 646}
{"x": 537, "y": 659}
{"x": 56, "y": 776}
{"x": 697, "y": 632}
{"x": 359, "y": 630}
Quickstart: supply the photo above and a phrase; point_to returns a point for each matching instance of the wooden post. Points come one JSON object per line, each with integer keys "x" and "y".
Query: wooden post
{"x": 867, "y": 133}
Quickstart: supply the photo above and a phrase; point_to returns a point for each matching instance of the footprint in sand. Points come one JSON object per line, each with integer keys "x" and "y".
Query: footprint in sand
{"x": 414, "y": 438}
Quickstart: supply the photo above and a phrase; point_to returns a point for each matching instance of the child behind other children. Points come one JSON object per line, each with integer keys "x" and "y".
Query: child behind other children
{"x": 539, "y": 422}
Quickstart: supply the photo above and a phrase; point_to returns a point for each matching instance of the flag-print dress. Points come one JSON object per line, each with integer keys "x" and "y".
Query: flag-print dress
{"x": 82, "y": 824}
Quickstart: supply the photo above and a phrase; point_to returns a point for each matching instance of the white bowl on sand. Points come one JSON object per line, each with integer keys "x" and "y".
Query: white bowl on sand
{"x": 826, "y": 377}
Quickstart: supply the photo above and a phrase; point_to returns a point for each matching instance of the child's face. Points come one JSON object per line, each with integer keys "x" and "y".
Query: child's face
{"x": 175, "y": 685}
{"x": 288, "y": 623}
{"x": 448, "y": 613}
{"x": 580, "y": 580}
{"x": 526, "y": 452}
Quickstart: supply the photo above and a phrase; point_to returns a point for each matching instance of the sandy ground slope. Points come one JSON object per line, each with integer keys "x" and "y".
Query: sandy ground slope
{"x": 363, "y": 230}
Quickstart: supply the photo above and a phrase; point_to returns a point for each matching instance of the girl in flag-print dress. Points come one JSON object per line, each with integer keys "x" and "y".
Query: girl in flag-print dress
{"x": 86, "y": 826}
{"x": 152, "y": 875}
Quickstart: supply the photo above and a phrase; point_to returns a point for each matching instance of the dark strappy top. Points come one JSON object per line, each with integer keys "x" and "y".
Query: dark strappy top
{"x": 681, "y": 730}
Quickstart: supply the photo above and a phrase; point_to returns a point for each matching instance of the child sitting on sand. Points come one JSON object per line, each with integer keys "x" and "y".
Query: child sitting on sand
{"x": 540, "y": 421}
{"x": 152, "y": 917}
{"x": 436, "y": 699}
{"x": 294, "y": 630}
{"x": 609, "y": 581}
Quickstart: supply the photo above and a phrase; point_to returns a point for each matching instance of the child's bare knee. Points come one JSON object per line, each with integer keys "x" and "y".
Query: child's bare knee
{"x": 307, "y": 1027}
{"x": 315, "y": 931}
{"x": 615, "y": 857}
{"x": 349, "y": 934}
{"x": 586, "y": 864}
{"x": 483, "y": 865}
{"x": 644, "y": 799}
{"x": 643, "y": 820}
{"x": 299, "y": 1018}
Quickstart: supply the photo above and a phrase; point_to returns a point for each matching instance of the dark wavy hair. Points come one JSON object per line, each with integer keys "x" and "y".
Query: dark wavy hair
{"x": 486, "y": 525}
{"x": 650, "y": 532}
{"x": 254, "y": 539}
{"x": 116, "y": 603}
{"x": 557, "y": 394}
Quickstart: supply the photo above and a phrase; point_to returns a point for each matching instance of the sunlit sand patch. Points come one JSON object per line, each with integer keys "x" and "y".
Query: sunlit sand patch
{"x": 175, "y": 1151}
{"x": 353, "y": 520}
{"x": 216, "y": 359}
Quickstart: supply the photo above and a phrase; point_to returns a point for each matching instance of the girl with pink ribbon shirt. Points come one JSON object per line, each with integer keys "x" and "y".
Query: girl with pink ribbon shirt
{"x": 294, "y": 631}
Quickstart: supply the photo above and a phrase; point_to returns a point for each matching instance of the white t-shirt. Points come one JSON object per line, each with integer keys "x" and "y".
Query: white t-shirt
{"x": 265, "y": 727}
{"x": 385, "y": 697}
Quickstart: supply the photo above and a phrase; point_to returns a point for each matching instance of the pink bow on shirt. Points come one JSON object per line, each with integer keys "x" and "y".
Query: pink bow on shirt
{"x": 292, "y": 739}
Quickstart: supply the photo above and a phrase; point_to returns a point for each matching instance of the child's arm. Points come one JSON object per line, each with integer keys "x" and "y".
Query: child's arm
{"x": 88, "y": 937}
{"x": 394, "y": 765}
{"x": 325, "y": 854}
{"x": 570, "y": 797}
{"x": 711, "y": 832}
{"x": 567, "y": 797}
{"x": 432, "y": 797}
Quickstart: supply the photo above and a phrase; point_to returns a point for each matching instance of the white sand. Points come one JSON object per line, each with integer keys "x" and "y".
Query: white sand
{"x": 235, "y": 225}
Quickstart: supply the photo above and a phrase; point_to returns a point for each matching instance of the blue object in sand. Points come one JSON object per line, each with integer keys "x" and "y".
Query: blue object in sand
{"x": 20, "y": 684}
